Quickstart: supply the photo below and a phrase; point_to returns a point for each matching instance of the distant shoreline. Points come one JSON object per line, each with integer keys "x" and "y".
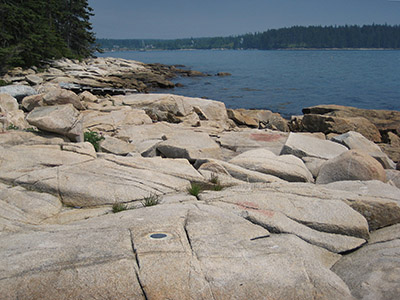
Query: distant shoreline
{"x": 280, "y": 49}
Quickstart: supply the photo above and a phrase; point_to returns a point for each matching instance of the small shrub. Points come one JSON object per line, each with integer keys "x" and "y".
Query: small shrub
{"x": 217, "y": 187}
{"x": 31, "y": 129}
{"x": 118, "y": 207}
{"x": 94, "y": 138}
{"x": 151, "y": 200}
{"x": 12, "y": 127}
{"x": 194, "y": 189}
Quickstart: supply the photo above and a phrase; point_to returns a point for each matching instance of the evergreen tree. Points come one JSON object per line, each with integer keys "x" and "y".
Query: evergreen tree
{"x": 35, "y": 30}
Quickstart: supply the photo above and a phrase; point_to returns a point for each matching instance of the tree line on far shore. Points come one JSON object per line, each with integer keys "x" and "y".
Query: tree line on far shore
{"x": 35, "y": 30}
{"x": 341, "y": 37}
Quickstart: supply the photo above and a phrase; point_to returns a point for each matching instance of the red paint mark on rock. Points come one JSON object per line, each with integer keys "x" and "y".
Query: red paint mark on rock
{"x": 247, "y": 205}
{"x": 265, "y": 137}
{"x": 253, "y": 206}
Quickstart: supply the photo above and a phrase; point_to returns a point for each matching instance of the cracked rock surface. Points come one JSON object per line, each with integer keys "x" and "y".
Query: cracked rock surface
{"x": 180, "y": 203}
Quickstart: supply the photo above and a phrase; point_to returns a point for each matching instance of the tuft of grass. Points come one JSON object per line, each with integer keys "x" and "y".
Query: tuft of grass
{"x": 151, "y": 200}
{"x": 118, "y": 207}
{"x": 94, "y": 138}
{"x": 217, "y": 187}
{"x": 195, "y": 189}
{"x": 214, "y": 178}
{"x": 216, "y": 184}
{"x": 3, "y": 83}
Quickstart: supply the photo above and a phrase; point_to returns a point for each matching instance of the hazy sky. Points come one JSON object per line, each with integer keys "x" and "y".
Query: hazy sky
{"x": 166, "y": 19}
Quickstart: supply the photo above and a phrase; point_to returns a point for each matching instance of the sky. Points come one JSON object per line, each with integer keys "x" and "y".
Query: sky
{"x": 171, "y": 19}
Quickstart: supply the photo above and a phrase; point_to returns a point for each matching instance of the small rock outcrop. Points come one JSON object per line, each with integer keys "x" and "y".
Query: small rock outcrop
{"x": 61, "y": 119}
{"x": 351, "y": 165}
{"x": 302, "y": 145}
{"x": 286, "y": 167}
{"x": 333, "y": 124}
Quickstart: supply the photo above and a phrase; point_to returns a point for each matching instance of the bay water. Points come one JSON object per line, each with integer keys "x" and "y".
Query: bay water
{"x": 286, "y": 81}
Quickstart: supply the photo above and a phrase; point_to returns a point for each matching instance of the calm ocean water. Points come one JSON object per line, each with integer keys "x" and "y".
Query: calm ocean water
{"x": 286, "y": 81}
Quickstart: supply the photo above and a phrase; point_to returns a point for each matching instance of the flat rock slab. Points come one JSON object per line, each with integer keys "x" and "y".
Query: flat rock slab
{"x": 282, "y": 207}
{"x": 245, "y": 140}
{"x": 219, "y": 168}
{"x": 19, "y": 160}
{"x": 110, "y": 121}
{"x": 286, "y": 167}
{"x": 302, "y": 145}
{"x": 378, "y": 202}
{"x": 165, "y": 252}
{"x": 18, "y": 91}
{"x": 373, "y": 272}
{"x": 100, "y": 182}
{"x": 20, "y": 208}
{"x": 190, "y": 145}
{"x": 16, "y": 137}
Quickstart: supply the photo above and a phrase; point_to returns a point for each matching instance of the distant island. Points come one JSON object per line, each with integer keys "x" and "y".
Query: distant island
{"x": 296, "y": 37}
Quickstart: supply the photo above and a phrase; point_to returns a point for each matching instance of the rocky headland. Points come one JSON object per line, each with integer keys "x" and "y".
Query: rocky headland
{"x": 107, "y": 193}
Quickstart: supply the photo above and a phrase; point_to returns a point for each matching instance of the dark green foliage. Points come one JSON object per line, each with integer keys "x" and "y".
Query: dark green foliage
{"x": 216, "y": 184}
{"x": 35, "y": 30}
{"x": 151, "y": 200}
{"x": 94, "y": 138}
{"x": 12, "y": 127}
{"x": 118, "y": 207}
{"x": 195, "y": 189}
{"x": 367, "y": 36}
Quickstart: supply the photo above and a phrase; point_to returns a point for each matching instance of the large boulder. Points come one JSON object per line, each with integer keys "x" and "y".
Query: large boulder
{"x": 392, "y": 148}
{"x": 333, "y": 124}
{"x": 258, "y": 118}
{"x": 382, "y": 119}
{"x": 8, "y": 103}
{"x": 286, "y": 167}
{"x": 189, "y": 145}
{"x": 10, "y": 114}
{"x": 378, "y": 202}
{"x": 61, "y": 119}
{"x": 61, "y": 96}
{"x": 18, "y": 91}
{"x": 33, "y": 79}
{"x": 373, "y": 272}
{"x": 30, "y": 102}
{"x": 393, "y": 176}
{"x": 351, "y": 165}
{"x": 355, "y": 140}
{"x": 302, "y": 145}
{"x": 116, "y": 146}
{"x": 167, "y": 107}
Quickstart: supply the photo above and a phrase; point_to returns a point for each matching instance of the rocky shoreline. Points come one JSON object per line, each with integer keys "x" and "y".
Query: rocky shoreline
{"x": 127, "y": 195}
